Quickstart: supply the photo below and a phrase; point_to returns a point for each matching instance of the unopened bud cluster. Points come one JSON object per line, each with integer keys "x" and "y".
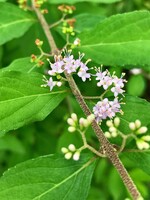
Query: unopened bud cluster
{"x": 39, "y": 3}
{"x": 79, "y": 124}
{"x": 35, "y": 59}
{"x": 138, "y": 130}
{"x": 71, "y": 152}
{"x": 113, "y": 127}
{"x": 67, "y": 9}
{"x": 38, "y": 59}
{"x": 22, "y": 4}
{"x": 68, "y": 27}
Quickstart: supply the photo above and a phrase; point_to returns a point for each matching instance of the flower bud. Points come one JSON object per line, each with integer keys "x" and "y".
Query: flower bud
{"x": 68, "y": 155}
{"x": 76, "y": 155}
{"x": 64, "y": 150}
{"x": 71, "y": 122}
{"x": 116, "y": 121}
{"x": 112, "y": 129}
{"x": 71, "y": 147}
{"x": 137, "y": 123}
{"x": 83, "y": 122}
{"x": 74, "y": 117}
{"x": 76, "y": 42}
{"x": 141, "y": 130}
{"x": 142, "y": 144}
{"x": 90, "y": 118}
{"x": 71, "y": 129}
{"x": 59, "y": 84}
{"x": 109, "y": 123}
{"x": 132, "y": 126}
{"x": 38, "y": 42}
{"x": 107, "y": 134}
{"x": 114, "y": 134}
{"x": 146, "y": 138}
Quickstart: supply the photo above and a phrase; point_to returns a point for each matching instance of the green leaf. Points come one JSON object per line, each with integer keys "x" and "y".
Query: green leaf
{"x": 86, "y": 21}
{"x": 136, "y": 108}
{"x": 140, "y": 160}
{"x": 122, "y": 39}
{"x": 21, "y": 65}
{"x": 132, "y": 83}
{"x": 14, "y": 22}
{"x": 23, "y": 100}
{"x": 48, "y": 177}
{"x": 79, "y": 1}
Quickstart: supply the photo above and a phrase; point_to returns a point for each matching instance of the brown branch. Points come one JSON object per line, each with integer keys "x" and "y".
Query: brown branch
{"x": 107, "y": 148}
{"x": 45, "y": 26}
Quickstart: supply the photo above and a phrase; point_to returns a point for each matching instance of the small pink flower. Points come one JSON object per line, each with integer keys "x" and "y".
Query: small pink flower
{"x": 51, "y": 83}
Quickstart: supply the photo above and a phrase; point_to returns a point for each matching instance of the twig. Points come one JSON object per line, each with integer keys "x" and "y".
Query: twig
{"x": 58, "y": 22}
{"x": 45, "y": 26}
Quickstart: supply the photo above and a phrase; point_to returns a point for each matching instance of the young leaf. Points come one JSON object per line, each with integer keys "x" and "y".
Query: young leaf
{"x": 14, "y": 22}
{"x": 48, "y": 177}
{"x": 22, "y": 65}
{"x": 23, "y": 100}
{"x": 123, "y": 39}
{"x": 79, "y": 1}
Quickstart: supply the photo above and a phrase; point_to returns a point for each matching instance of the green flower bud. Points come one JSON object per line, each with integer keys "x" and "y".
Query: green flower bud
{"x": 68, "y": 155}
{"x": 142, "y": 130}
{"x": 64, "y": 150}
{"x": 71, "y": 129}
{"x": 76, "y": 155}
{"x": 71, "y": 147}
{"x": 116, "y": 121}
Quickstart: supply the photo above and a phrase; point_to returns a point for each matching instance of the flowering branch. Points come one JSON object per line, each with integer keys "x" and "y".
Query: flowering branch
{"x": 106, "y": 147}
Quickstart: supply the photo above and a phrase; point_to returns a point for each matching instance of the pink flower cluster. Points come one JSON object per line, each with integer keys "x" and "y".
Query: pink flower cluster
{"x": 71, "y": 65}
{"x": 106, "y": 80}
{"x": 106, "y": 108}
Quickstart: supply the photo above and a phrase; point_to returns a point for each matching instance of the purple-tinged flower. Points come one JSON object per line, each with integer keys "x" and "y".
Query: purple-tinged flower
{"x": 70, "y": 67}
{"x": 116, "y": 91}
{"x": 105, "y": 82}
{"x": 104, "y": 78}
{"x": 83, "y": 66}
{"x": 106, "y": 108}
{"x": 68, "y": 59}
{"x": 100, "y": 75}
{"x": 118, "y": 82}
{"x": 115, "y": 105}
{"x": 77, "y": 63}
{"x": 57, "y": 67}
{"x": 51, "y": 83}
{"x": 83, "y": 74}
